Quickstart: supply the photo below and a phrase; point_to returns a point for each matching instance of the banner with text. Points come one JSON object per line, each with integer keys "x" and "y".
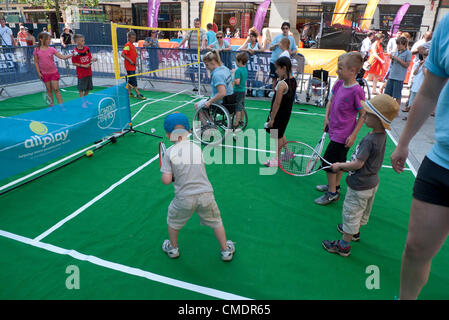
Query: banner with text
{"x": 31, "y": 139}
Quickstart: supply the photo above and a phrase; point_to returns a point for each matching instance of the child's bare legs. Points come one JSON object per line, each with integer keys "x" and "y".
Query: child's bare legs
{"x": 334, "y": 180}
{"x": 137, "y": 91}
{"x": 55, "y": 88}
{"x": 237, "y": 117}
{"x": 220, "y": 234}
{"x": 375, "y": 79}
{"x": 83, "y": 93}
{"x": 49, "y": 92}
{"x": 173, "y": 235}
{"x": 399, "y": 101}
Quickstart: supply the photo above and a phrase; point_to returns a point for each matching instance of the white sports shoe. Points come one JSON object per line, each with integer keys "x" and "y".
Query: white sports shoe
{"x": 228, "y": 254}
{"x": 169, "y": 250}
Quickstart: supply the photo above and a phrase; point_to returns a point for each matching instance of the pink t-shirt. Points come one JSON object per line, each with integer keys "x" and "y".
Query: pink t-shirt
{"x": 46, "y": 61}
{"x": 343, "y": 114}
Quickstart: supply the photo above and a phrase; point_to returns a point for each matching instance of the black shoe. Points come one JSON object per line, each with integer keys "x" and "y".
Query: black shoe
{"x": 195, "y": 89}
{"x": 355, "y": 237}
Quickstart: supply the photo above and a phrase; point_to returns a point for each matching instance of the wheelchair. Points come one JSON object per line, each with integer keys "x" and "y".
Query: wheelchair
{"x": 212, "y": 125}
{"x": 319, "y": 85}
{"x": 363, "y": 83}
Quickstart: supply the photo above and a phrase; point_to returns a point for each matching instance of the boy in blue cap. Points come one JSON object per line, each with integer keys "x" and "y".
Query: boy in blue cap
{"x": 193, "y": 191}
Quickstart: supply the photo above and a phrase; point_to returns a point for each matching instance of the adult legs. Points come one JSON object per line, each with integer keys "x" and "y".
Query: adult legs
{"x": 428, "y": 229}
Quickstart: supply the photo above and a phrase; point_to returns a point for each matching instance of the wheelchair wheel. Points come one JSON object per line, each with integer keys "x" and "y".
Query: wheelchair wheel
{"x": 211, "y": 125}
{"x": 242, "y": 123}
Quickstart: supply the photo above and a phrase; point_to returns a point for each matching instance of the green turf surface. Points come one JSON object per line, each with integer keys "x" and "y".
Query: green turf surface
{"x": 272, "y": 218}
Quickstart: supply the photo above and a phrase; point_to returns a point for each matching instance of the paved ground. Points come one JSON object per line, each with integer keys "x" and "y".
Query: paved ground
{"x": 420, "y": 145}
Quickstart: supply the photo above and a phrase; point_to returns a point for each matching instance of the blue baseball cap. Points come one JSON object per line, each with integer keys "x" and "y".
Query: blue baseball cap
{"x": 174, "y": 119}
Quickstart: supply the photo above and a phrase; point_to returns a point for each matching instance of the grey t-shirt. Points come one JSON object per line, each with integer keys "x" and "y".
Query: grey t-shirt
{"x": 371, "y": 150}
{"x": 185, "y": 161}
{"x": 192, "y": 38}
{"x": 397, "y": 71}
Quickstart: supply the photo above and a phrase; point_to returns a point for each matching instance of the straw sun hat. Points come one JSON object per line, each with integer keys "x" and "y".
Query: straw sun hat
{"x": 384, "y": 107}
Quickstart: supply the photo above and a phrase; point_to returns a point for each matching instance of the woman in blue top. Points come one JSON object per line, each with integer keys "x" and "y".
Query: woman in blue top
{"x": 429, "y": 214}
{"x": 223, "y": 48}
{"x": 221, "y": 83}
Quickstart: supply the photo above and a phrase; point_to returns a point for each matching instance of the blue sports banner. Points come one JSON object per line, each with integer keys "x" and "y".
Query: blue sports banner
{"x": 31, "y": 139}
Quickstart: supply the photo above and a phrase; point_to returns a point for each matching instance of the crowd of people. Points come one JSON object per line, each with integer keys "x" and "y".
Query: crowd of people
{"x": 395, "y": 59}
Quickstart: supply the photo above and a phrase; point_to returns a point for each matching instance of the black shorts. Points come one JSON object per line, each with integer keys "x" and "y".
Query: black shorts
{"x": 132, "y": 80}
{"x": 230, "y": 102}
{"x": 85, "y": 84}
{"x": 273, "y": 74}
{"x": 432, "y": 184}
{"x": 335, "y": 152}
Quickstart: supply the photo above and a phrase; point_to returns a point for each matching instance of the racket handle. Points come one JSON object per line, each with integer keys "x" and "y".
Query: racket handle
{"x": 326, "y": 129}
{"x": 265, "y": 125}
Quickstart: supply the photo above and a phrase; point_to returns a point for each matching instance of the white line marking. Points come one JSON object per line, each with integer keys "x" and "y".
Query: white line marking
{"x": 123, "y": 268}
{"x": 412, "y": 168}
{"x": 268, "y": 151}
{"x": 163, "y": 114}
{"x": 295, "y": 112}
{"x": 94, "y": 200}
{"x": 154, "y": 101}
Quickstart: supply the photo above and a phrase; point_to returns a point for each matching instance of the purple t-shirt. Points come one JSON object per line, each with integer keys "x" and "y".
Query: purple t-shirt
{"x": 46, "y": 61}
{"x": 344, "y": 108}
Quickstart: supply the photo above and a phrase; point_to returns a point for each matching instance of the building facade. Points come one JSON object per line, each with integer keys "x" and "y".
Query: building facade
{"x": 238, "y": 14}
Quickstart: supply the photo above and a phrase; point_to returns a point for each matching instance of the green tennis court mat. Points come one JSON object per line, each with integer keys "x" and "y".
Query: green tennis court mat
{"x": 277, "y": 227}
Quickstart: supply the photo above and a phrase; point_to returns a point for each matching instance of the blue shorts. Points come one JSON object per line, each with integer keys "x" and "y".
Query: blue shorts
{"x": 240, "y": 101}
{"x": 132, "y": 80}
{"x": 394, "y": 88}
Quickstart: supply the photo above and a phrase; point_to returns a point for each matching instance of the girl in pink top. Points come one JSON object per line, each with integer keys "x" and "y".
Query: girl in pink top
{"x": 46, "y": 67}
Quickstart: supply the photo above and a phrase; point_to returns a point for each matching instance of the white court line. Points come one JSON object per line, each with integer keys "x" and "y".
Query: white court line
{"x": 75, "y": 154}
{"x": 270, "y": 151}
{"x": 163, "y": 114}
{"x": 123, "y": 268}
{"x": 412, "y": 168}
{"x": 104, "y": 193}
{"x": 154, "y": 101}
{"x": 94, "y": 200}
{"x": 295, "y": 112}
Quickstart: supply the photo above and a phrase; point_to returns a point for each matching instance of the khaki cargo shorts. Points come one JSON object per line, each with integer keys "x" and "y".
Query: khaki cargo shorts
{"x": 357, "y": 209}
{"x": 181, "y": 210}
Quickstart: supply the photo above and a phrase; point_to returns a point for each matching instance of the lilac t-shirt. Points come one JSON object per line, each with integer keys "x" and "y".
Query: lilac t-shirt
{"x": 344, "y": 108}
{"x": 46, "y": 61}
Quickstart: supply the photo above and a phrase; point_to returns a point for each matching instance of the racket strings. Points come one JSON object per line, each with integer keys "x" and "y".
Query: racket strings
{"x": 295, "y": 158}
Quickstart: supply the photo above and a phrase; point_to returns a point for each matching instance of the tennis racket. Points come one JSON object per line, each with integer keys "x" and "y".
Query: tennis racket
{"x": 295, "y": 156}
{"x": 162, "y": 154}
{"x": 318, "y": 148}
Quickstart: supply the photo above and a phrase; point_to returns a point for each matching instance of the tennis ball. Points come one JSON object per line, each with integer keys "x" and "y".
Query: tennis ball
{"x": 89, "y": 153}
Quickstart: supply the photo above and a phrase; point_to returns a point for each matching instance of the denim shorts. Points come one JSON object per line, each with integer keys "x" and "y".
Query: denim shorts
{"x": 394, "y": 88}
{"x": 240, "y": 101}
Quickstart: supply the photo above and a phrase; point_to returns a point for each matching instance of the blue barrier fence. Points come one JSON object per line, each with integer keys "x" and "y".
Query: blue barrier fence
{"x": 17, "y": 65}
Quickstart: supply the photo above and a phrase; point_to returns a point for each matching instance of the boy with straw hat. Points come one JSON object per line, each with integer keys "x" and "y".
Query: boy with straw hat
{"x": 363, "y": 179}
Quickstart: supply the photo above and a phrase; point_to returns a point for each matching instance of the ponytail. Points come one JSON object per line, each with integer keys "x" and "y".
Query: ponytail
{"x": 213, "y": 55}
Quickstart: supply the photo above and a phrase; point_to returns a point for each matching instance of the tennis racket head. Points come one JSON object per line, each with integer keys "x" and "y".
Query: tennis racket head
{"x": 295, "y": 157}
{"x": 162, "y": 152}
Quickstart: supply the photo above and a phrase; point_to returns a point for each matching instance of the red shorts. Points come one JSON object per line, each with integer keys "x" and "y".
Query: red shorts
{"x": 50, "y": 77}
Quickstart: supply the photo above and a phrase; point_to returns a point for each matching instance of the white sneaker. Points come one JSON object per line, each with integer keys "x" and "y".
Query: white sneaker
{"x": 169, "y": 250}
{"x": 228, "y": 254}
